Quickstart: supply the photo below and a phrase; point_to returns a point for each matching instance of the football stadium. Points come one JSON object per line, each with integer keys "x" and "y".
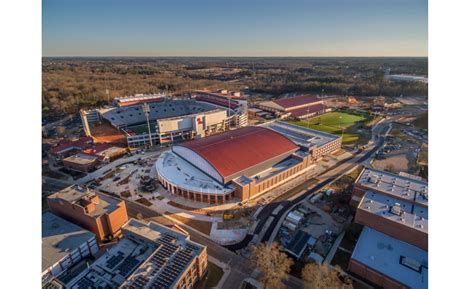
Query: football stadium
{"x": 170, "y": 119}
{"x": 240, "y": 164}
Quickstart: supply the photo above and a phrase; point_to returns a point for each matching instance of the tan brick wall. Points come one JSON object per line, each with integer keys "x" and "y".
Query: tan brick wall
{"x": 75, "y": 214}
{"x": 102, "y": 226}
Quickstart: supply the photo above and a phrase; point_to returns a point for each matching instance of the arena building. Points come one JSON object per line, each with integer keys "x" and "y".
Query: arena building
{"x": 240, "y": 164}
{"x": 299, "y": 107}
{"x": 170, "y": 120}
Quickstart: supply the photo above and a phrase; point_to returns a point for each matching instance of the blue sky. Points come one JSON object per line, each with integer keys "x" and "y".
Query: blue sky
{"x": 235, "y": 28}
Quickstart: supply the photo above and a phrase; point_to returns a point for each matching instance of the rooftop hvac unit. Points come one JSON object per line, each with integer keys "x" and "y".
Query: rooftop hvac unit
{"x": 373, "y": 180}
{"x": 396, "y": 209}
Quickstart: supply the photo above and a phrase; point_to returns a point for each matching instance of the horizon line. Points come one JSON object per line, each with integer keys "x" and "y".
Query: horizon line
{"x": 229, "y": 56}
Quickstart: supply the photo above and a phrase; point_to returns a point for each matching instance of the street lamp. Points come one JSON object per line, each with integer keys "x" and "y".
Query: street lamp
{"x": 146, "y": 110}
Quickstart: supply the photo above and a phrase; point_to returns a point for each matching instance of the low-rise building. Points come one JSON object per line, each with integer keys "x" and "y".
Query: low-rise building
{"x": 404, "y": 220}
{"x": 316, "y": 143}
{"x": 66, "y": 148}
{"x": 63, "y": 244}
{"x": 389, "y": 262}
{"x": 81, "y": 162}
{"x": 402, "y": 187}
{"x": 101, "y": 214}
{"x": 392, "y": 250}
{"x": 149, "y": 256}
{"x": 300, "y": 107}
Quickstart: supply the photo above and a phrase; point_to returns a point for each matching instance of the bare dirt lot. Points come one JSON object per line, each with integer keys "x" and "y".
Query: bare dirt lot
{"x": 402, "y": 159}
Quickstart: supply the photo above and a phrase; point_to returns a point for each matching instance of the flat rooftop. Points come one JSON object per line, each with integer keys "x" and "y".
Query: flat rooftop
{"x": 304, "y": 137}
{"x": 113, "y": 268}
{"x": 75, "y": 193}
{"x": 81, "y": 159}
{"x": 384, "y": 254}
{"x": 174, "y": 254}
{"x": 59, "y": 238}
{"x": 298, "y": 244}
{"x": 149, "y": 255}
{"x": 413, "y": 215}
{"x": 111, "y": 151}
{"x": 276, "y": 169}
{"x": 183, "y": 174}
{"x": 401, "y": 187}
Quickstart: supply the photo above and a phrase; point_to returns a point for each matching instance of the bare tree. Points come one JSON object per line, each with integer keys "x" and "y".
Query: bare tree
{"x": 273, "y": 263}
{"x": 322, "y": 276}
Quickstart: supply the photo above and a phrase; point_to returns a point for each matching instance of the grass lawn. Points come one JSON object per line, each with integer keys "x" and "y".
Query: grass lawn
{"x": 335, "y": 122}
{"x": 213, "y": 277}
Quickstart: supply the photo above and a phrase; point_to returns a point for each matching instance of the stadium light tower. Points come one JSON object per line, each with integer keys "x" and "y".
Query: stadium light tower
{"x": 307, "y": 117}
{"x": 146, "y": 110}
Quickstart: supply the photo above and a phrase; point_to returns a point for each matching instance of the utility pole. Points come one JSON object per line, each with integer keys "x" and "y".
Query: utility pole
{"x": 146, "y": 110}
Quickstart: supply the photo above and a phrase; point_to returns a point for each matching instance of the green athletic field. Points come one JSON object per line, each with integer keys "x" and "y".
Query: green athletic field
{"x": 143, "y": 128}
{"x": 335, "y": 123}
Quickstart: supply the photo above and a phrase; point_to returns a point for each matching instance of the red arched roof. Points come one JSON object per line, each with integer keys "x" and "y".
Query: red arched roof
{"x": 237, "y": 150}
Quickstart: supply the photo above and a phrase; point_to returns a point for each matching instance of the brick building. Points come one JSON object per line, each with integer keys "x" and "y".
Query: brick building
{"x": 402, "y": 187}
{"x": 392, "y": 250}
{"x": 81, "y": 162}
{"x": 103, "y": 215}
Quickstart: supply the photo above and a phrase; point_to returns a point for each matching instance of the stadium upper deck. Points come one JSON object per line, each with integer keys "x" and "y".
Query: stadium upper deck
{"x": 133, "y": 114}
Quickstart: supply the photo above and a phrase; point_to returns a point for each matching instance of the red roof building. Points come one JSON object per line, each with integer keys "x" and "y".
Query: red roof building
{"x": 243, "y": 151}
{"x": 65, "y": 146}
{"x": 302, "y": 106}
{"x": 308, "y": 111}
{"x": 296, "y": 102}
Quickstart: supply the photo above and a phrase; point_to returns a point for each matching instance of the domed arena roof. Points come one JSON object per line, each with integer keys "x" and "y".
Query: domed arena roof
{"x": 243, "y": 151}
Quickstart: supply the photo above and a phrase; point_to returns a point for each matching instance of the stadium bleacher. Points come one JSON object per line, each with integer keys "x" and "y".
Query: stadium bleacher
{"x": 133, "y": 114}
{"x": 222, "y": 103}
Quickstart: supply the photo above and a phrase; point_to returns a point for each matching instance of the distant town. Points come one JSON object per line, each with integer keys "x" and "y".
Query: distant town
{"x": 303, "y": 171}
